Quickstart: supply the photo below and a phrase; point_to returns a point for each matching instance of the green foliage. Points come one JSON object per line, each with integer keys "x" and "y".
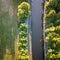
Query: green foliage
{"x": 53, "y": 29}
{"x": 58, "y": 29}
{"x": 23, "y": 54}
{"x": 23, "y": 14}
{"x": 51, "y": 12}
{"x": 23, "y": 33}
{"x": 23, "y": 27}
{"x": 54, "y": 4}
{"x": 23, "y": 40}
{"x": 23, "y": 11}
{"x": 57, "y": 22}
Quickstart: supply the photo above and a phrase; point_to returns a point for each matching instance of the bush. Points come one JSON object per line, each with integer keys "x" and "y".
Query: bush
{"x": 53, "y": 30}
{"x": 23, "y": 14}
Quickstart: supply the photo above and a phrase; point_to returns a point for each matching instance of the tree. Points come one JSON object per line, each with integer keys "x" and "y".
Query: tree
{"x": 23, "y": 14}
{"x": 53, "y": 29}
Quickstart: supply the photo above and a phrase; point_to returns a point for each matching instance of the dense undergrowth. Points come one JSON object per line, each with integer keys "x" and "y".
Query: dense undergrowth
{"x": 53, "y": 29}
{"x": 23, "y": 14}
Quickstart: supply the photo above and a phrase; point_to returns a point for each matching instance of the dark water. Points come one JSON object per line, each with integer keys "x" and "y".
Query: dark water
{"x": 37, "y": 42}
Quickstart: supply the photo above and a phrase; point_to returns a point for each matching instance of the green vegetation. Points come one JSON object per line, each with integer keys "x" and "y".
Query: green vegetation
{"x": 53, "y": 29}
{"x": 23, "y": 14}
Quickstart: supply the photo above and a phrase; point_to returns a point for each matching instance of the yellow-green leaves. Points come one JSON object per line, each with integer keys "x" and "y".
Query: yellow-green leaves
{"x": 53, "y": 29}
{"x": 51, "y": 12}
{"x": 23, "y": 11}
{"x": 23, "y": 14}
{"x": 24, "y": 5}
